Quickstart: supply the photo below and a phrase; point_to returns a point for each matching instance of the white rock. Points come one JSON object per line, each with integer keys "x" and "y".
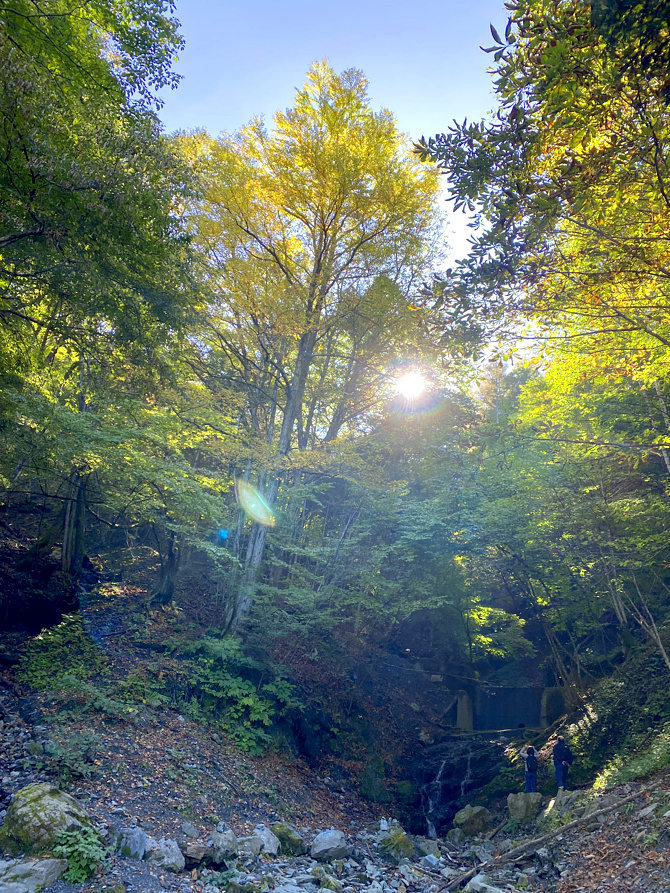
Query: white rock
{"x": 270, "y": 841}
{"x": 480, "y": 884}
{"x": 166, "y": 853}
{"x": 328, "y": 845}
{"x": 251, "y": 845}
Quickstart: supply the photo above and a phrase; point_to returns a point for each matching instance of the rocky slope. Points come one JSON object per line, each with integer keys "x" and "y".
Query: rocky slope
{"x": 162, "y": 776}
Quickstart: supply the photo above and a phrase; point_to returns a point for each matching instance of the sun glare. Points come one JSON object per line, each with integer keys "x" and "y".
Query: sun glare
{"x": 411, "y": 385}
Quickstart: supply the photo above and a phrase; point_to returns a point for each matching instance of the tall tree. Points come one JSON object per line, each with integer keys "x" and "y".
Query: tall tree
{"x": 569, "y": 183}
{"x": 94, "y": 262}
{"x": 317, "y": 233}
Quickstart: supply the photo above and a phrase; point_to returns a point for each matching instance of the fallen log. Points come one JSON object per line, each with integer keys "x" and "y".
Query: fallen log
{"x": 517, "y": 852}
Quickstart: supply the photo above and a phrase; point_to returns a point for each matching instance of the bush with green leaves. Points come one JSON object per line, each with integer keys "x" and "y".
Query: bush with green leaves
{"x": 84, "y": 851}
{"x": 85, "y": 697}
{"x": 144, "y": 685}
{"x": 65, "y": 649}
{"x": 70, "y": 756}
{"x": 220, "y": 682}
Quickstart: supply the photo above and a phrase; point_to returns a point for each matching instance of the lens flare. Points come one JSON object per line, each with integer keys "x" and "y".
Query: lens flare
{"x": 411, "y": 385}
{"x": 253, "y": 504}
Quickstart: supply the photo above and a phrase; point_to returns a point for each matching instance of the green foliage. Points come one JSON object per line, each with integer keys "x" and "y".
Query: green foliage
{"x": 214, "y": 680}
{"x": 512, "y": 826}
{"x": 63, "y": 650}
{"x": 69, "y": 755}
{"x": 625, "y": 728}
{"x": 141, "y": 685}
{"x": 84, "y": 851}
{"x": 626, "y": 721}
{"x": 639, "y": 762}
{"x": 85, "y": 696}
{"x": 508, "y": 780}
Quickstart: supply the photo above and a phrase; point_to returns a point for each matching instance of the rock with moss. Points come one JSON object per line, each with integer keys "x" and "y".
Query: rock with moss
{"x": 290, "y": 841}
{"x": 36, "y": 816}
{"x": 524, "y": 807}
{"x": 30, "y": 876}
{"x": 456, "y": 836}
{"x": 131, "y": 843}
{"x": 473, "y": 820}
{"x": 327, "y": 881}
{"x": 396, "y": 845}
{"x": 372, "y": 785}
{"x": 427, "y": 847}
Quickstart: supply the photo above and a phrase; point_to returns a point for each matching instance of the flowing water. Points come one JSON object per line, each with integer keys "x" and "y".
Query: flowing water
{"x": 447, "y": 775}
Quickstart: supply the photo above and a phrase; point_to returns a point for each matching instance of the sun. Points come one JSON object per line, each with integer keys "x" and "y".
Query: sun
{"x": 411, "y": 385}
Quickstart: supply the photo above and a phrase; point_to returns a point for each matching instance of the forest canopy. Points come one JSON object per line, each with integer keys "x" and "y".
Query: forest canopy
{"x": 186, "y": 318}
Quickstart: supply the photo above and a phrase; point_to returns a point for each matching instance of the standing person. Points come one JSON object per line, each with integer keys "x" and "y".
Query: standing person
{"x": 530, "y": 760}
{"x": 562, "y": 759}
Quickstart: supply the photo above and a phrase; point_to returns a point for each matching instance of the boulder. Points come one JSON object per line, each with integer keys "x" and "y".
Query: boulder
{"x": 524, "y": 808}
{"x": 36, "y": 816}
{"x": 270, "y": 840}
{"x": 189, "y": 829}
{"x": 326, "y": 881}
{"x": 473, "y": 820}
{"x": 196, "y": 853}
{"x": 608, "y": 801}
{"x": 430, "y": 861}
{"x": 563, "y": 803}
{"x": 427, "y": 847}
{"x": 30, "y": 876}
{"x": 566, "y": 801}
{"x": 165, "y": 853}
{"x": 395, "y": 845}
{"x": 290, "y": 841}
{"x": 224, "y": 846}
{"x": 251, "y": 845}
{"x": 455, "y": 836}
{"x": 328, "y": 845}
{"x": 131, "y": 843}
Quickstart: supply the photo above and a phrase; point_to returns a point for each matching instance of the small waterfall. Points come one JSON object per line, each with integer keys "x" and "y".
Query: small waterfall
{"x": 446, "y": 775}
{"x": 467, "y": 778}
{"x": 431, "y": 794}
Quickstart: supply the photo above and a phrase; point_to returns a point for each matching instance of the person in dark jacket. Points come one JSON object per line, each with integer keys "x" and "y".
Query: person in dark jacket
{"x": 562, "y": 756}
{"x": 530, "y": 760}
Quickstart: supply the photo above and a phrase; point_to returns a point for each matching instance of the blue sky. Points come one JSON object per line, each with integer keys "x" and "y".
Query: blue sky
{"x": 422, "y": 60}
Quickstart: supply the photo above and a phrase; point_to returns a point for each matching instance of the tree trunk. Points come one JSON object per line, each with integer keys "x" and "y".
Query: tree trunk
{"x": 163, "y": 592}
{"x": 256, "y": 547}
{"x": 72, "y": 553}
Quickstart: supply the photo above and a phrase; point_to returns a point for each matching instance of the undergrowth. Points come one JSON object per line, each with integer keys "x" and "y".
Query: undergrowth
{"x": 210, "y": 679}
{"x": 215, "y": 680}
{"x": 84, "y": 852}
{"x": 69, "y": 756}
{"x": 636, "y": 764}
{"x": 625, "y": 731}
{"x": 65, "y": 649}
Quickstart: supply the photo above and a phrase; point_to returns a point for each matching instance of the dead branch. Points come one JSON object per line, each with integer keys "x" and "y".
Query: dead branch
{"x": 517, "y": 851}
